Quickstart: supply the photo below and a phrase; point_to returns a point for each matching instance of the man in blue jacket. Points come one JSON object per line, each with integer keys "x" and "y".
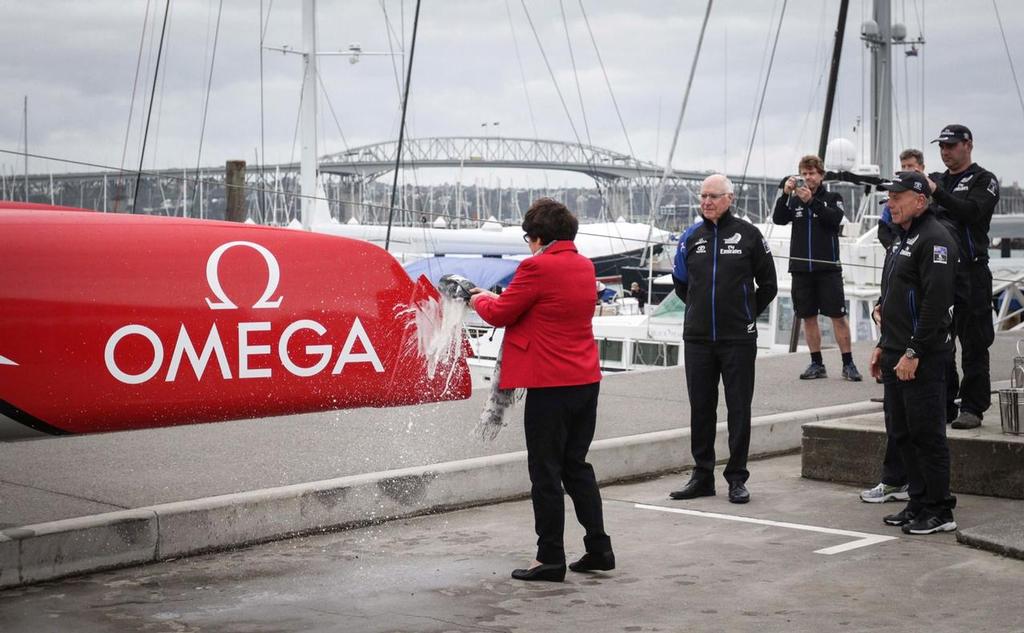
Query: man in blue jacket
{"x": 814, "y": 262}
{"x": 725, "y": 274}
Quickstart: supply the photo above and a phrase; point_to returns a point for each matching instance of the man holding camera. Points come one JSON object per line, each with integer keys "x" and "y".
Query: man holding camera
{"x": 964, "y": 198}
{"x": 814, "y": 262}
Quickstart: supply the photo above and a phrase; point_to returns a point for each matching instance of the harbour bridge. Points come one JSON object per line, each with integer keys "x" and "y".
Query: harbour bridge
{"x": 624, "y": 184}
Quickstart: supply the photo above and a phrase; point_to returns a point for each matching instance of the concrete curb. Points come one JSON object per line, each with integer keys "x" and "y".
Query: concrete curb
{"x": 52, "y": 550}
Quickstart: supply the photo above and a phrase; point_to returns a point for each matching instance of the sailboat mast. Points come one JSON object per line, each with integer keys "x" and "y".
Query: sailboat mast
{"x": 308, "y": 159}
{"x": 833, "y": 76}
{"x": 881, "y": 89}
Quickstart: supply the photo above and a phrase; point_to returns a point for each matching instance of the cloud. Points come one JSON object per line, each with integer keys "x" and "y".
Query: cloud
{"x": 76, "y": 63}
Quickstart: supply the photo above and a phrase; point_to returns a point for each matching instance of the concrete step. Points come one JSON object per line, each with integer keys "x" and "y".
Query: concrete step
{"x": 984, "y": 461}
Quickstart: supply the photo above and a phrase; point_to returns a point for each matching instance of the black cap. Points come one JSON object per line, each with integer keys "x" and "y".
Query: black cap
{"x": 907, "y": 181}
{"x": 954, "y": 134}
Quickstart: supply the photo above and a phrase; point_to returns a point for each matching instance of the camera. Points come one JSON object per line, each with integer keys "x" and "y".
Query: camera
{"x": 799, "y": 182}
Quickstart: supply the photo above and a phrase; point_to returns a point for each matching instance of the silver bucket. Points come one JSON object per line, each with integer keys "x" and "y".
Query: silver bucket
{"x": 1011, "y": 410}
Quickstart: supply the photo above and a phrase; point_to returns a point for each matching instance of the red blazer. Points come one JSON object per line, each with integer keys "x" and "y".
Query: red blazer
{"x": 546, "y": 312}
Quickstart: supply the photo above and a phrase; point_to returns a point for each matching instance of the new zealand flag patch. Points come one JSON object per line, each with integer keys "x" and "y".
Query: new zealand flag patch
{"x": 939, "y": 255}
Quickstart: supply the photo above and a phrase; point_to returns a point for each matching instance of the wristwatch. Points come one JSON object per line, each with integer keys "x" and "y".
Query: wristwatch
{"x": 910, "y": 353}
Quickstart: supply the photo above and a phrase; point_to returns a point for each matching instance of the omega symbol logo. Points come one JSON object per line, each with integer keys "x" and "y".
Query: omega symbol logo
{"x": 213, "y": 278}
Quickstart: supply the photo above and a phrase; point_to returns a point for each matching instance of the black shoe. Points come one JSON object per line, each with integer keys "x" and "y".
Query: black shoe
{"x": 814, "y": 370}
{"x": 550, "y": 572}
{"x": 930, "y": 523}
{"x": 738, "y": 492}
{"x": 851, "y": 373}
{"x": 903, "y": 517}
{"x": 594, "y": 561}
{"x": 693, "y": 489}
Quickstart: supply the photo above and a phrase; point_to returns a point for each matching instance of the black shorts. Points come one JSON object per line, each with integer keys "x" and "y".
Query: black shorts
{"x": 819, "y": 293}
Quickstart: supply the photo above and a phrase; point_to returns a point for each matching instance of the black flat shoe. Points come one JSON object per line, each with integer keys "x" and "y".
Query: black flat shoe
{"x": 738, "y": 493}
{"x": 594, "y": 561}
{"x": 545, "y": 571}
{"x": 693, "y": 489}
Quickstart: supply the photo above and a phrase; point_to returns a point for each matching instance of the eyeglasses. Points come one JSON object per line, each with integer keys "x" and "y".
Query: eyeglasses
{"x": 527, "y": 238}
{"x": 712, "y": 196}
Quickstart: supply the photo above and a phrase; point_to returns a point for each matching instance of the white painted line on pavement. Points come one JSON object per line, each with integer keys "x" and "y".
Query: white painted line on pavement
{"x": 863, "y": 539}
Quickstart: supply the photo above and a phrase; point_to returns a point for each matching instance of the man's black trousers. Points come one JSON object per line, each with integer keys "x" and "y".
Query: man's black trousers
{"x": 705, "y": 363}
{"x": 559, "y": 423}
{"x": 915, "y": 419}
{"x": 972, "y": 322}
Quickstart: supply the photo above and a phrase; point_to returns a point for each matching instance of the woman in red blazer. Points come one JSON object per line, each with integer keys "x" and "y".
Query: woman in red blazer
{"x": 549, "y": 350}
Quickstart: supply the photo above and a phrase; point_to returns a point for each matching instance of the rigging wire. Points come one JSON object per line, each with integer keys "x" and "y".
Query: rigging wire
{"x": 209, "y": 87}
{"x": 1009, "y": 58}
{"x": 401, "y": 127}
{"x": 679, "y": 122}
{"x": 764, "y": 91}
{"x": 575, "y": 74}
{"x": 149, "y": 114}
{"x": 330, "y": 106}
{"x": 522, "y": 75}
{"x": 587, "y": 156}
{"x": 764, "y": 61}
{"x": 262, "y": 158}
{"x": 645, "y": 189}
{"x": 131, "y": 109}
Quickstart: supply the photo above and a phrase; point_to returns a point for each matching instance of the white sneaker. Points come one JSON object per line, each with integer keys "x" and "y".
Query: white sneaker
{"x": 884, "y": 492}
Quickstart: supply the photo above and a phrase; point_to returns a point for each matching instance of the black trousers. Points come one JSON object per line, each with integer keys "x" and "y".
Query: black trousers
{"x": 915, "y": 420}
{"x": 972, "y": 323}
{"x": 559, "y": 423}
{"x": 894, "y": 473}
{"x": 705, "y": 364}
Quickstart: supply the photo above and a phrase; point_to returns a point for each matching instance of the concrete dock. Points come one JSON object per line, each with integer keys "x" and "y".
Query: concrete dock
{"x": 710, "y": 569}
{"x": 72, "y": 505}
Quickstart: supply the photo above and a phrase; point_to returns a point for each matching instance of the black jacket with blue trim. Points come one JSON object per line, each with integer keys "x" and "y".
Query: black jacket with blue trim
{"x": 964, "y": 203}
{"x": 815, "y": 233}
{"x": 918, "y": 283}
{"x": 716, "y": 269}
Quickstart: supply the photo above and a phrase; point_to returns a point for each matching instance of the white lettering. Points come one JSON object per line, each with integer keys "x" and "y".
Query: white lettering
{"x": 245, "y": 350}
{"x": 158, "y": 354}
{"x": 213, "y": 278}
{"x": 346, "y": 356}
{"x": 323, "y": 350}
{"x": 184, "y": 345}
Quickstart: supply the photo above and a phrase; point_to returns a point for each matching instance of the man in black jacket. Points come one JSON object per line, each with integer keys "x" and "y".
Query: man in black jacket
{"x": 915, "y": 313}
{"x": 964, "y": 198}
{"x": 725, "y": 274}
{"x": 814, "y": 262}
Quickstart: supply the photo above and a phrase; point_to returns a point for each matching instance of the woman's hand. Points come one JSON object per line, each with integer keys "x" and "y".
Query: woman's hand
{"x": 480, "y": 292}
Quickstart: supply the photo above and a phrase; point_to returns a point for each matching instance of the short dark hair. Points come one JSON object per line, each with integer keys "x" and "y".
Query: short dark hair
{"x": 549, "y": 220}
{"x": 811, "y": 162}
{"x": 916, "y": 154}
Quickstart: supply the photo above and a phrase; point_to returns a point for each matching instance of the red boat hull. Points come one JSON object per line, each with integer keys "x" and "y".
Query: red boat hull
{"x": 114, "y": 322}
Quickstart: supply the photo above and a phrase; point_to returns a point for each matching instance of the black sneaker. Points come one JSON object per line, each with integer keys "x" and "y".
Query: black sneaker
{"x": 850, "y": 373}
{"x": 814, "y": 370}
{"x": 930, "y": 523}
{"x": 903, "y": 517}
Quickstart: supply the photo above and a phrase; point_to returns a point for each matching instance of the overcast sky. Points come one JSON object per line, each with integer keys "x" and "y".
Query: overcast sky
{"x": 76, "y": 63}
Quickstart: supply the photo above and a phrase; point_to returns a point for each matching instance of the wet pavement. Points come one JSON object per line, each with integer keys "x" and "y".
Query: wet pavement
{"x": 62, "y": 477}
{"x": 699, "y": 570}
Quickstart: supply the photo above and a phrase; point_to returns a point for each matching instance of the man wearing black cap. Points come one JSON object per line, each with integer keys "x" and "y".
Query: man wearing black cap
{"x": 915, "y": 313}
{"x": 964, "y": 198}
